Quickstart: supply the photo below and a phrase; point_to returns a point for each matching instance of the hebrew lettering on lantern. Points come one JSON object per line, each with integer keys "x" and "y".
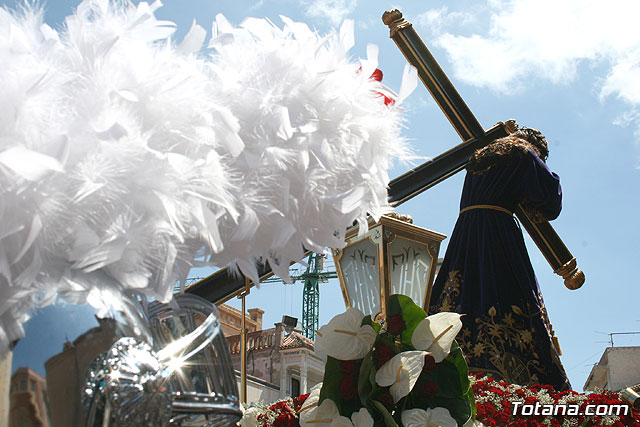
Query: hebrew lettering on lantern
{"x": 360, "y": 270}
{"x": 410, "y": 265}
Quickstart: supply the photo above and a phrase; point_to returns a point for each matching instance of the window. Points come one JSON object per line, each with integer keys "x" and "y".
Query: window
{"x": 295, "y": 387}
{"x": 23, "y": 385}
{"x": 33, "y": 385}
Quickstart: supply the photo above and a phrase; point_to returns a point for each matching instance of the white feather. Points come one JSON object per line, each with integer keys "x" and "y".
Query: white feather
{"x": 125, "y": 156}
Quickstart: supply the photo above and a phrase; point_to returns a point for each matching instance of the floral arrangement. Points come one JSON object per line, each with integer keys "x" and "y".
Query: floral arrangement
{"x": 495, "y": 401}
{"x": 408, "y": 371}
{"x": 283, "y": 413}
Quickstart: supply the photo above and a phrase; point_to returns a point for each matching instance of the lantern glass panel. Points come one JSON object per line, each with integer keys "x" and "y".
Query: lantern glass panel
{"x": 360, "y": 271}
{"x": 409, "y": 267}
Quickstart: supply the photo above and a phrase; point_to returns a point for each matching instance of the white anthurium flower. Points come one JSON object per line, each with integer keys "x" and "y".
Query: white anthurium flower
{"x": 313, "y": 415}
{"x": 343, "y": 338}
{"x": 401, "y": 373}
{"x": 436, "y": 333}
{"x": 472, "y": 423}
{"x": 341, "y": 422}
{"x": 436, "y": 417}
{"x": 361, "y": 418}
{"x": 319, "y": 346}
{"x": 312, "y": 400}
{"x": 249, "y": 417}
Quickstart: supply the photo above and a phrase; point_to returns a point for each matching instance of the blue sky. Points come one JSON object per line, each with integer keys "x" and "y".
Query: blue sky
{"x": 570, "y": 68}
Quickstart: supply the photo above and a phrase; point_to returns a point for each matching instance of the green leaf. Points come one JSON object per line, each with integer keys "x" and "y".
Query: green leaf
{"x": 331, "y": 388}
{"x": 365, "y": 385}
{"x": 331, "y": 382}
{"x": 386, "y": 416}
{"x": 457, "y": 359}
{"x": 454, "y": 387}
{"x": 411, "y": 313}
{"x": 366, "y": 320}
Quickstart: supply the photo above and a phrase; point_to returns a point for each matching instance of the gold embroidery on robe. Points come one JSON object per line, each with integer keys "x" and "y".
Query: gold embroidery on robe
{"x": 448, "y": 299}
{"x": 495, "y": 336}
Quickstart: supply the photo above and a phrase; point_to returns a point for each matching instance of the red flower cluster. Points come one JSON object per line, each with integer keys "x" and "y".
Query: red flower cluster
{"x": 349, "y": 383}
{"x": 395, "y": 324}
{"x": 382, "y": 354}
{"x": 495, "y": 402}
{"x": 348, "y": 387}
{"x": 429, "y": 364}
{"x": 283, "y": 413}
{"x": 426, "y": 389}
{"x": 298, "y": 401}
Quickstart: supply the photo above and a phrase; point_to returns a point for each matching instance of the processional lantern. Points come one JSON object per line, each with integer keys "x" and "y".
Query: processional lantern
{"x": 393, "y": 257}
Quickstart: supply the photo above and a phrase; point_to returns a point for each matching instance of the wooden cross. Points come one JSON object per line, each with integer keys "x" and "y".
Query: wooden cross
{"x": 474, "y": 137}
{"x": 223, "y": 285}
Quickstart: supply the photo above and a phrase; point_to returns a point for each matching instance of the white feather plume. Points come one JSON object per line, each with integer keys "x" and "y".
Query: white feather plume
{"x": 124, "y": 156}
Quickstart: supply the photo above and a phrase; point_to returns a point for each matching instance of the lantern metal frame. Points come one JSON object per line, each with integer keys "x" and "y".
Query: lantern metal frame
{"x": 382, "y": 234}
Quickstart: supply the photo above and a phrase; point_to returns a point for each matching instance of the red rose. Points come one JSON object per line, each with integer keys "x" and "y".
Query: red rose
{"x": 518, "y": 423}
{"x": 285, "y": 419}
{"x": 502, "y": 418}
{"x": 386, "y": 400}
{"x": 490, "y": 408}
{"x": 348, "y": 387}
{"x": 382, "y": 354}
{"x": 426, "y": 389}
{"x": 349, "y": 366}
{"x": 481, "y": 412}
{"x": 395, "y": 324}
{"x": 299, "y": 401}
{"x": 485, "y": 411}
{"x": 429, "y": 364}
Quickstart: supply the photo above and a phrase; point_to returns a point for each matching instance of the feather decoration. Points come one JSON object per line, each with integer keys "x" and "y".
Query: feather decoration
{"x": 125, "y": 156}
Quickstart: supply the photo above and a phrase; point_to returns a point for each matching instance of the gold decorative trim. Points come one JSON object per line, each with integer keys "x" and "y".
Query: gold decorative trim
{"x": 394, "y": 20}
{"x": 492, "y": 207}
{"x": 573, "y": 278}
{"x": 411, "y": 229}
{"x": 400, "y": 217}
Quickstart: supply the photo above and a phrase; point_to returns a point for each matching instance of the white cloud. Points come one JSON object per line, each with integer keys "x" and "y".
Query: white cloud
{"x": 623, "y": 80}
{"x": 549, "y": 39}
{"x": 546, "y": 39}
{"x": 335, "y": 11}
{"x": 436, "y": 19}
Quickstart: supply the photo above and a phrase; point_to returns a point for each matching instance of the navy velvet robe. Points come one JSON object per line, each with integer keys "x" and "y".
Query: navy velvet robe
{"x": 487, "y": 275}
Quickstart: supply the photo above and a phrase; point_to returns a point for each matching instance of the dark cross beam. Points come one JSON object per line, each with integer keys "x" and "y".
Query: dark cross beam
{"x": 465, "y": 123}
{"x": 223, "y": 285}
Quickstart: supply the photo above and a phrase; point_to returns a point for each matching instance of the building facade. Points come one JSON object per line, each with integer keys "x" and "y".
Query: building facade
{"x": 280, "y": 361}
{"x": 618, "y": 368}
{"x": 29, "y": 405}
